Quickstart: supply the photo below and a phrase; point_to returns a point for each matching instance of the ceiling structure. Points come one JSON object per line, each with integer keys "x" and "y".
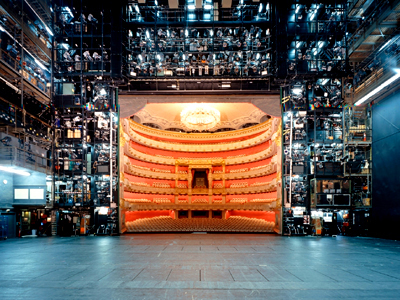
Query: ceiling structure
{"x": 131, "y": 104}
{"x": 169, "y": 115}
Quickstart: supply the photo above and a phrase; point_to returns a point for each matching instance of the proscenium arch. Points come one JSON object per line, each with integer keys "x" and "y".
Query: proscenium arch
{"x": 131, "y": 104}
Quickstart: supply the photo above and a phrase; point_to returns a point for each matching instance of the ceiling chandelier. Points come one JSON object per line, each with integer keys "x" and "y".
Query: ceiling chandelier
{"x": 200, "y": 116}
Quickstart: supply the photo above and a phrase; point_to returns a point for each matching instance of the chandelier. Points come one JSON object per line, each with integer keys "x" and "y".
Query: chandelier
{"x": 200, "y": 116}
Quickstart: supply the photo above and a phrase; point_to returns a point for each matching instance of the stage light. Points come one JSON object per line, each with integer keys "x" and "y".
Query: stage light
{"x": 208, "y": 6}
{"x": 313, "y": 15}
{"x": 87, "y": 56}
{"x": 91, "y": 18}
{"x": 191, "y": 7}
{"x": 384, "y": 46}
{"x": 69, "y": 11}
{"x": 103, "y": 92}
{"x": 297, "y": 91}
{"x": 40, "y": 64}
{"x": 48, "y": 30}
{"x": 379, "y": 88}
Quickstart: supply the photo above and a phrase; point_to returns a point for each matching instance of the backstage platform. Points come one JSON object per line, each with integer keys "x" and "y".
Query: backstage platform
{"x": 200, "y": 266}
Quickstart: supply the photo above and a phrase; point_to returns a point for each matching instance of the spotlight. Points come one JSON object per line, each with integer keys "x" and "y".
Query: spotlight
{"x": 87, "y": 56}
{"x": 96, "y": 56}
{"x": 91, "y": 18}
{"x": 103, "y": 92}
{"x": 297, "y": 91}
{"x": 67, "y": 56}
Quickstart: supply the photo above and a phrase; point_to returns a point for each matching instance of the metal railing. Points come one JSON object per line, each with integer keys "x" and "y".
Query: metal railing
{"x": 29, "y": 76}
{"x": 26, "y": 159}
{"x": 182, "y": 14}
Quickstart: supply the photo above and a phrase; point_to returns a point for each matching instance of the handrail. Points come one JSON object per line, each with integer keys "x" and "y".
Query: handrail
{"x": 30, "y": 76}
{"x": 131, "y": 187}
{"x": 383, "y": 70}
{"x": 24, "y": 158}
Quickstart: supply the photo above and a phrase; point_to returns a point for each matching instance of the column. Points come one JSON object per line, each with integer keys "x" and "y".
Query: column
{"x": 176, "y": 176}
{"x": 223, "y": 175}
{"x": 210, "y": 182}
{"x": 190, "y": 181}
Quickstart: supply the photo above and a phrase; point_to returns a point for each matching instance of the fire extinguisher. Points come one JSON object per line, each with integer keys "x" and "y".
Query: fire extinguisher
{"x": 365, "y": 137}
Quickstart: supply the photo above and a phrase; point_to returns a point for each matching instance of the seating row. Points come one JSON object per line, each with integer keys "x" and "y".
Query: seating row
{"x": 161, "y": 200}
{"x": 161, "y": 185}
{"x": 232, "y": 224}
{"x": 239, "y": 185}
{"x": 141, "y": 183}
{"x": 200, "y": 201}
{"x": 258, "y": 183}
{"x": 161, "y": 170}
{"x": 263, "y": 200}
{"x": 238, "y": 200}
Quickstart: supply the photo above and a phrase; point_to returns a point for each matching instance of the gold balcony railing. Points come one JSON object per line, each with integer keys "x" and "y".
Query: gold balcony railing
{"x": 267, "y": 170}
{"x": 218, "y": 147}
{"x": 131, "y": 187}
{"x": 270, "y": 151}
{"x": 130, "y": 125}
{"x": 269, "y": 187}
{"x": 128, "y": 168}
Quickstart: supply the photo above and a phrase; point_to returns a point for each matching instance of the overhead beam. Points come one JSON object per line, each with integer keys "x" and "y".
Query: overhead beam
{"x": 367, "y": 32}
